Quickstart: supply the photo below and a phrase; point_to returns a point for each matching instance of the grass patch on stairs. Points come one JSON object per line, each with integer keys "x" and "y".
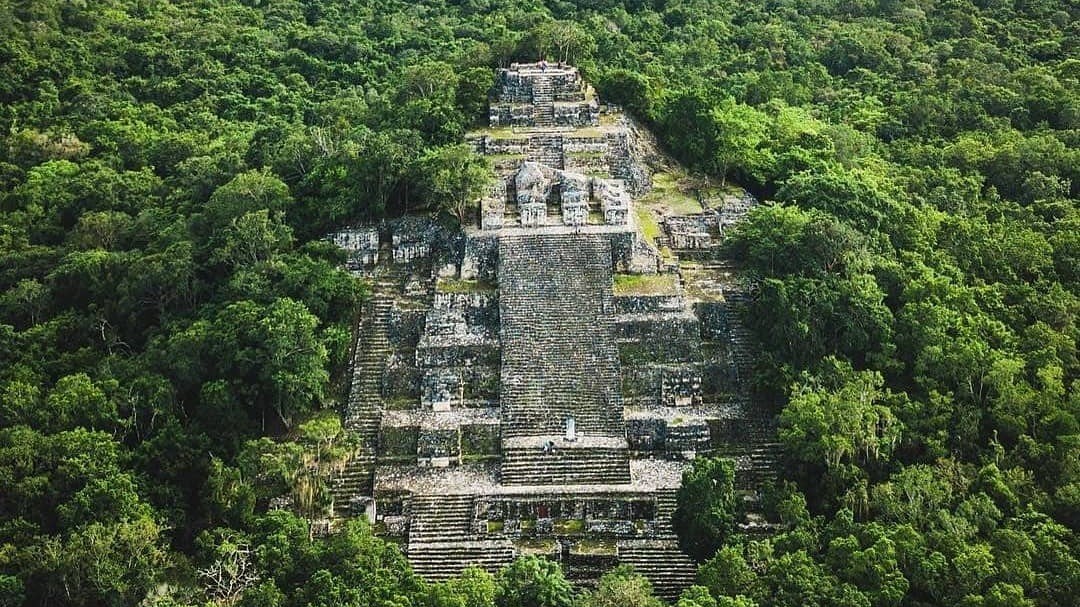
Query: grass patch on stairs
{"x": 453, "y": 285}
{"x": 646, "y": 284}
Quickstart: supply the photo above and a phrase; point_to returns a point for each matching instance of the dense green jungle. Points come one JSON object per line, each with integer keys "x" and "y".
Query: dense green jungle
{"x": 174, "y": 332}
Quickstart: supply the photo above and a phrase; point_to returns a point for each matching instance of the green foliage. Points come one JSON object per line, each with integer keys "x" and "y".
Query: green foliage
{"x": 532, "y": 581}
{"x": 621, "y": 587}
{"x": 291, "y": 568}
{"x": 628, "y": 89}
{"x": 706, "y": 507}
{"x": 454, "y": 178}
{"x": 302, "y": 467}
{"x": 842, "y": 418}
{"x": 474, "y": 588}
{"x": 168, "y": 320}
{"x": 76, "y": 529}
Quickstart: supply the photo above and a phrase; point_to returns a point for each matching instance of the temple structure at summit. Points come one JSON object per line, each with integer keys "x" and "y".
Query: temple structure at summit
{"x": 537, "y": 382}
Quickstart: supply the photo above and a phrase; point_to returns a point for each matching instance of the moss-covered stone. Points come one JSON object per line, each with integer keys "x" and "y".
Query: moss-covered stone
{"x": 480, "y": 440}
{"x": 646, "y": 284}
{"x": 595, "y": 547}
{"x": 569, "y": 526}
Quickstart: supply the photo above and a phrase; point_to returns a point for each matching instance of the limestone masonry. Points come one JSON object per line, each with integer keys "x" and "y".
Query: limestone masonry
{"x": 537, "y": 382}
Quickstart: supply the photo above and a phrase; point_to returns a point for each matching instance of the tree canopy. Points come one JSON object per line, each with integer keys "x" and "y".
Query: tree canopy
{"x": 173, "y": 330}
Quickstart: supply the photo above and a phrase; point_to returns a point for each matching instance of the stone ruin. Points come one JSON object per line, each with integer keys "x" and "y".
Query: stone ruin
{"x": 539, "y": 95}
{"x": 538, "y": 195}
{"x": 515, "y": 388}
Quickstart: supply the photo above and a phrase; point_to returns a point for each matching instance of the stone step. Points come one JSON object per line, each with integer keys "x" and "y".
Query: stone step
{"x": 439, "y": 561}
{"x": 355, "y": 480}
{"x": 662, "y": 563}
{"x": 562, "y": 466}
{"x": 559, "y": 355}
{"x": 362, "y": 410}
{"x": 441, "y": 517}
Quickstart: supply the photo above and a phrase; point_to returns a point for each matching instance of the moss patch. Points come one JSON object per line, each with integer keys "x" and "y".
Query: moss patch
{"x": 595, "y": 547}
{"x": 569, "y": 526}
{"x": 535, "y": 546}
{"x": 503, "y": 132}
{"x": 675, "y": 192}
{"x": 650, "y": 228}
{"x": 480, "y": 459}
{"x": 586, "y": 155}
{"x": 646, "y": 284}
{"x": 480, "y": 440}
{"x": 497, "y": 158}
{"x": 400, "y": 403}
{"x": 635, "y": 353}
{"x": 452, "y": 285}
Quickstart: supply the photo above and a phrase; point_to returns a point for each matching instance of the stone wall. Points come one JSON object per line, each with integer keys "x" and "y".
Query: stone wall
{"x": 398, "y": 443}
{"x": 401, "y": 380}
{"x": 673, "y": 385}
{"x": 587, "y": 163}
{"x": 479, "y": 311}
{"x": 440, "y": 389}
{"x": 460, "y": 330}
{"x": 567, "y": 517}
{"x": 577, "y": 115}
{"x": 687, "y": 437}
{"x": 510, "y": 114}
{"x": 578, "y": 144}
{"x": 496, "y": 146}
{"x": 435, "y": 353}
{"x": 480, "y": 441}
{"x": 415, "y": 238}
{"x": 519, "y": 83}
{"x": 692, "y": 232}
{"x": 640, "y": 304}
{"x": 660, "y": 337}
{"x": 437, "y": 446}
{"x": 668, "y": 438}
{"x": 361, "y": 246}
{"x": 625, "y": 164}
{"x": 715, "y": 323}
{"x": 632, "y": 255}
{"x": 681, "y": 387}
{"x": 404, "y": 327}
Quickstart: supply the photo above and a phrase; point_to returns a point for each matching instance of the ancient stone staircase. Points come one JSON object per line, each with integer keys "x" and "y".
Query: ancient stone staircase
{"x": 565, "y": 466}
{"x": 559, "y": 355}
{"x": 740, "y": 339}
{"x": 362, "y": 412}
{"x": 440, "y": 561}
{"x": 543, "y": 98}
{"x": 544, "y": 115}
{"x": 440, "y": 518}
{"x": 662, "y": 563}
{"x": 756, "y": 450}
{"x": 665, "y": 511}
{"x": 543, "y": 92}
{"x": 443, "y": 542}
{"x": 547, "y": 149}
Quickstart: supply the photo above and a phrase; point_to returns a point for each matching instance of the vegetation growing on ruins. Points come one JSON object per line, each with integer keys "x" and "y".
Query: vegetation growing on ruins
{"x": 171, "y": 326}
{"x": 645, "y": 284}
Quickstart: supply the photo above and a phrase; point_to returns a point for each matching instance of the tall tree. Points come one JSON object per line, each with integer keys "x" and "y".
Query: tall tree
{"x": 706, "y": 507}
